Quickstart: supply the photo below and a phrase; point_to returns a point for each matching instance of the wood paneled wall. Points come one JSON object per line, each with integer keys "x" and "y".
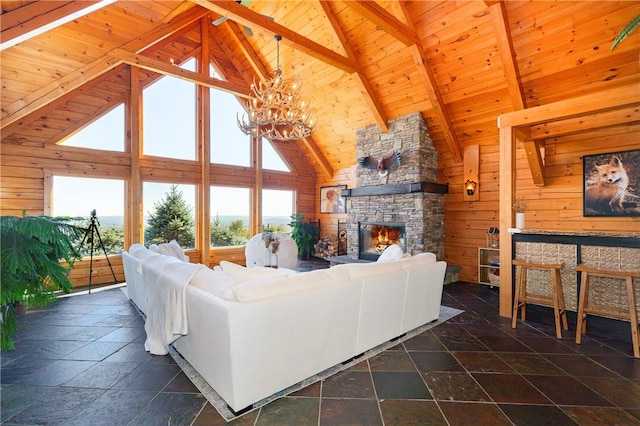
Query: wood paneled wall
{"x": 558, "y": 205}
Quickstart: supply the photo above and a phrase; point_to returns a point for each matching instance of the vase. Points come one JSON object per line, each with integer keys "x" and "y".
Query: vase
{"x": 267, "y": 257}
{"x": 520, "y": 220}
{"x": 274, "y": 260}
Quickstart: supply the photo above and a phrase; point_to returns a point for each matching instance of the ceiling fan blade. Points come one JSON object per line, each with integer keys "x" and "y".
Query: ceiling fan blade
{"x": 219, "y": 20}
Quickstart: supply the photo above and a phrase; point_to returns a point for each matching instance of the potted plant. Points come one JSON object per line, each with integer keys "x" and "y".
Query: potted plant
{"x": 304, "y": 234}
{"x": 32, "y": 248}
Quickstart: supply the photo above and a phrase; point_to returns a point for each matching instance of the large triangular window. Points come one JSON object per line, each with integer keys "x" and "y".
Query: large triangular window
{"x": 106, "y": 132}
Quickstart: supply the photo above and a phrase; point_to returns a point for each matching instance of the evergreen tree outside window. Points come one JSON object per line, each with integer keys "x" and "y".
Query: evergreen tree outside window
{"x": 171, "y": 216}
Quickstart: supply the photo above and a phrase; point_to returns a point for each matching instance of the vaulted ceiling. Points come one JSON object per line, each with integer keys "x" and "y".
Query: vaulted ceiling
{"x": 460, "y": 63}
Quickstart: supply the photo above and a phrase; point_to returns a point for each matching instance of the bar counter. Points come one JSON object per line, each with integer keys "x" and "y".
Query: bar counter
{"x": 600, "y": 250}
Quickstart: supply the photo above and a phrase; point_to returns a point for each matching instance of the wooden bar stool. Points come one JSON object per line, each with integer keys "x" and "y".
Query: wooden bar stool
{"x": 555, "y": 300}
{"x": 584, "y": 308}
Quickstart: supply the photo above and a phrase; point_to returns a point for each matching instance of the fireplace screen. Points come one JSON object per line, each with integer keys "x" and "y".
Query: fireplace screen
{"x": 375, "y": 237}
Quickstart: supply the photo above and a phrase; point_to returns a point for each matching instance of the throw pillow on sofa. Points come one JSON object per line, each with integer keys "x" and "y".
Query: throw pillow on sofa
{"x": 425, "y": 258}
{"x": 217, "y": 283}
{"x": 173, "y": 249}
{"x": 240, "y": 273}
{"x": 391, "y": 253}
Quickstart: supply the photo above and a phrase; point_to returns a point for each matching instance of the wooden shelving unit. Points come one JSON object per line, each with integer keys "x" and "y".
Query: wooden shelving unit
{"x": 489, "y": 266}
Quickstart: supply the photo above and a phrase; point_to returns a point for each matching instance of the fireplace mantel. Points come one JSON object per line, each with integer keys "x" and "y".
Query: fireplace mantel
{"x": 399, "y": 188}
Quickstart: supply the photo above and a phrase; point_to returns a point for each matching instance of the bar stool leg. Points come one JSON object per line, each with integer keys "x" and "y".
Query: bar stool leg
{"x": 563, "y": 308}
{"x": 556, "y": 302}
{"x": 516, "y": 301}
{"x": 633, "y": 317}
{"x": 583, "y": 302}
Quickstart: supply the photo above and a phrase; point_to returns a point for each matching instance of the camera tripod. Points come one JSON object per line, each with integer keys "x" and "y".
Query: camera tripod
{"x": 89, "y": 237}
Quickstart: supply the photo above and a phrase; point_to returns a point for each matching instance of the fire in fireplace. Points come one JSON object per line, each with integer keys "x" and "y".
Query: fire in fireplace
{"x": 375, "y": 237}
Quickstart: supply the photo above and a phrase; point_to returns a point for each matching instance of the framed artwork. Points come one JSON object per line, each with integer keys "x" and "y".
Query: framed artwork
{"x": 612, "y": 184}
{"x": 331, "y": 200}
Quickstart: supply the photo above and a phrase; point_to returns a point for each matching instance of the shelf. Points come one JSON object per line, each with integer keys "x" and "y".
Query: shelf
{"x": 489, "y": 266}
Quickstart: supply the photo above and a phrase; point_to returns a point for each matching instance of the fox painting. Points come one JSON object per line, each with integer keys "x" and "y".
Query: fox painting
{"x": 608, "y": 194}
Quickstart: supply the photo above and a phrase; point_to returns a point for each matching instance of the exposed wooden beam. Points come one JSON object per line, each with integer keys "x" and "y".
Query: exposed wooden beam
{"x": 363, "y": 82}
{"x": 433, "y": 92}
{"x": 35, "y": 18}
{"x": 386, "y": 21}
{"x": 618, "y": 97}
{"x": 250, "y": 55}
{"x": 436, "y": 101}
{"x": 315, "y": 151}
{"x": 248, "y": 17}
{"x": 569, "y": 126}
{"x": 534, "y": 158}
{"x": 507, "y": 196}
{"x": 47, "y": 94}
{"x": 144, "y": 62}
{"x": 507, "y": 53}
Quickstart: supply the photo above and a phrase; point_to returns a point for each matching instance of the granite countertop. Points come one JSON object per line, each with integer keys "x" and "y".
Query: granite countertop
{"x": 579, "y": 233}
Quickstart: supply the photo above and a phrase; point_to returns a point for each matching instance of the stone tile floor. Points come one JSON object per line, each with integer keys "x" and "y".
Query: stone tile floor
{"x": 81, "y": 361}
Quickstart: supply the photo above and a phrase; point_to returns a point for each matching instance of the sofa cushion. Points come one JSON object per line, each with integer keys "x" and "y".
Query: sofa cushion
{"x": 154, "y": 248}
{"x": 173, "y": 249}
{"x": 217, "y": 283}
{"x": 419, "y": 259}
{"x": 140, "y": 252}
{"x": 391, "y": 253}
{"x": 356, "y": 271}
{"x": 240, "y": 273}
{"x": 265, "y": 288}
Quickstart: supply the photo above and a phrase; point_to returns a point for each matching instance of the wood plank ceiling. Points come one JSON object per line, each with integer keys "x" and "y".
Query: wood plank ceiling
{"x": 461, "y": 64}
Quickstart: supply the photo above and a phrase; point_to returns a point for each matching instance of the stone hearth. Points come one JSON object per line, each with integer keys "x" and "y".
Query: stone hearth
{"x": 421, "y": 211}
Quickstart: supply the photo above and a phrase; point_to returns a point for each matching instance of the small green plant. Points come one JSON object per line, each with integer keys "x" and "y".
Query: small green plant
{"x": 305, "y": 235}
{"x": 628, "y": 29}
{"x": 32, "y": 248}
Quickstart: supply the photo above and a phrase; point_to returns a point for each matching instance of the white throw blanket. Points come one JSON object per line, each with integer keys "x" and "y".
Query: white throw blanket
{"x": 166, "y": 305}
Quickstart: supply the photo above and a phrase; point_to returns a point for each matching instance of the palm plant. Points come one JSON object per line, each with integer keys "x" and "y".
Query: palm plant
{"x": 628, "y": 29}
{"x": 31, "y": 250}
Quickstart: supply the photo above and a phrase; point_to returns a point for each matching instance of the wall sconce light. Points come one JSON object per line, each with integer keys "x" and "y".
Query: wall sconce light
{"x": 470, "y": 186}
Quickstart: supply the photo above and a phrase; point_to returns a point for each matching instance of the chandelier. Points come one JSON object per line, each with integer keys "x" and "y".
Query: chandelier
{"x": 275, "y": 111}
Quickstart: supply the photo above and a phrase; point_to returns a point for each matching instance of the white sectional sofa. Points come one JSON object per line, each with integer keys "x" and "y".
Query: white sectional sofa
{"x": 254, "y": 332}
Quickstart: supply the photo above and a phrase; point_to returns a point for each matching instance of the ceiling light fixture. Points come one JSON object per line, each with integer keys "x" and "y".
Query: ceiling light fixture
{"x": 276, "y": 110}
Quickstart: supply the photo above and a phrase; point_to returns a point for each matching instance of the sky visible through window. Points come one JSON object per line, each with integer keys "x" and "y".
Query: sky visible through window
{"x": 229, "y": 146}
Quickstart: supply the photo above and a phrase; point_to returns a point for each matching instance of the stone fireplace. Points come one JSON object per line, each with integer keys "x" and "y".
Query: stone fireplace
{"x": 407, "y": 200}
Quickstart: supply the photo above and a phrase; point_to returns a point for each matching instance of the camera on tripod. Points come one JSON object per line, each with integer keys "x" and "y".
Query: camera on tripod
{"x": 91, "y": 232}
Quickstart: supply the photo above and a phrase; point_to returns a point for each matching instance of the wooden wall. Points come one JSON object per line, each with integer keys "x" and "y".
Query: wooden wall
{"x": 558, "y": 205}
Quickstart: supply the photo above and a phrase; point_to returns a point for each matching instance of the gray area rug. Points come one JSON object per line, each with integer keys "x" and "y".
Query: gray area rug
{"x": 218, "y": 403}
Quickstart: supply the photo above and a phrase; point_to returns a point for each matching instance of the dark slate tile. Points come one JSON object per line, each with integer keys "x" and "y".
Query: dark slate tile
{"x": 452, "y": 386}
{"x": 486, "y": 362}
{"x": 102, "y": 375}
{"x": 313, "y": 390}
{"x": 503, "y": 344}
{"x": 400, "y": 385}
{"x": 47, "y": 349}
{"x": 624, "y": 366}
{"x": 67, "y": 403}
{"x": 473, "y": 413}
{"x": 391, "y": 361}
{"x": 462, "y": 342}
{"x": 546, "y": 345}
{"x": 56, "y": 373}
{"x": 291, "y": 411}
{"x": 531, "y": 364}
{"x": 341, "y": 412}
{"x": 579, "y": 365}
{"x": 170, "y": 408}
{"x": 411, "y": 412}
{"x": 124, "y": 334}
{"x": 435, "y": 361}
{"x": 148, "y": 377}
{"x": 600, "y": 416}
{"x": 181, "y": 383}
{"x": 564, "y": 390}
{"x": 95, "y": 351}
{"x": 535, "y": 415}
{"x": 623, "y": 393}
{"x": 114, "y": 407}
{"x": 132, "y": 352}
{"x": 426, "y": 341}
{"x": 511, "y": 388}
{"x": 16, "y": 398}
{"x": 348, "y": 384}
{"x": 20, "y": 368}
